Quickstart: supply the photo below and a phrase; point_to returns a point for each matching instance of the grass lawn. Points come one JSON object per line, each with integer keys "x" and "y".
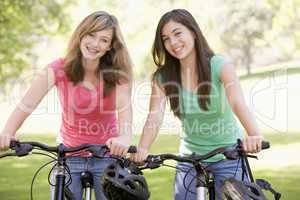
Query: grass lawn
{"x": 16, "y": 173}
{"x": 265, "y": 73}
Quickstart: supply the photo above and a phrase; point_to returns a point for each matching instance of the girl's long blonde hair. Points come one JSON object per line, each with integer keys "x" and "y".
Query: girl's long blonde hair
{"x": 115, "y": 65}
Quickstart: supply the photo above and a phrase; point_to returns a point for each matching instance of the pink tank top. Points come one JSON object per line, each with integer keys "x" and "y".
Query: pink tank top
{"x": 87, "y": 116}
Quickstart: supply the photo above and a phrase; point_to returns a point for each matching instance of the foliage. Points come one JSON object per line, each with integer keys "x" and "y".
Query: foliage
{"x": 285, "y": 35}
{"x": 22, "y": 25}
{"x": 250, "y": 31}
{"x": 245, "y": 22}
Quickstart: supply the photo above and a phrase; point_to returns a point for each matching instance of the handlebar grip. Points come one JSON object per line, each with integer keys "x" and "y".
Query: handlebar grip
{"x": 149, "y": 158}
{"x": 132, "y": 149}
{"x": 265, "y": 145}
{"x": 153, "y": 158}
{"x": 153, "y": 162}
{"x": 13, "y": 144}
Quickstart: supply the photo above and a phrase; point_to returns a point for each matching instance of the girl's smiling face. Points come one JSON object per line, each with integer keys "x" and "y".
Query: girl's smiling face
{"x": 178, "y": 40}
{"x": 94, "y": 45}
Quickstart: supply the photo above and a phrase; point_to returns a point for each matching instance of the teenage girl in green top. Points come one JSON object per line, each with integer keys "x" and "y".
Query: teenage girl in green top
{"x": 204, "y": 93}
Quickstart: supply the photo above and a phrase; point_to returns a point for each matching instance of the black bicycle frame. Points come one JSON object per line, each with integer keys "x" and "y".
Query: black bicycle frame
{"x": 60, "y": 176}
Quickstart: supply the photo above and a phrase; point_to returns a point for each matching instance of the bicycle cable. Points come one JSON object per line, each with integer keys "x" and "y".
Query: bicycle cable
{"x": 69, "y": 175}
{"x": 187, "y": 189}
{"x": 35, "y": 175}
{"x": 165, "y": 165}
{"x": 44, "y": 154}
{"x": 195, "y": 176}
{"x": 237, "y": 167}
{"x": 184, "y": 179}
{"x": 52, "y": 153}
{"x": 69, "y": 181}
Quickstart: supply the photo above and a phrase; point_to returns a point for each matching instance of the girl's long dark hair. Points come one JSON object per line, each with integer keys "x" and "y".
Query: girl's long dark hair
{"x": 169, "y": 67}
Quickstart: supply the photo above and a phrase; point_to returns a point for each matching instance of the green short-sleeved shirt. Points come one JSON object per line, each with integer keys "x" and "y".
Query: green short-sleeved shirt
{"x": 204, "y": 131}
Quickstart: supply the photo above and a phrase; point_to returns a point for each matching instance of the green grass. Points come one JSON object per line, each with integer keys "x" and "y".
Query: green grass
{"x": 286, "y": 181}
{"x": 16, "y": 173}
{"x": 263, "y": 74}
{"x": 282, "y": 138}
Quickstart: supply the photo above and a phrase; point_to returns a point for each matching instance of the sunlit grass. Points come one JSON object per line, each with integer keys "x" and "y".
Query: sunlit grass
{"x": 293, "y": 69}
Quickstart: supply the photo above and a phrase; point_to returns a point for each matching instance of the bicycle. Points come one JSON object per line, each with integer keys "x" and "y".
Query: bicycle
{"x": 58, "y": 155}
{"x": 204, "y": 179}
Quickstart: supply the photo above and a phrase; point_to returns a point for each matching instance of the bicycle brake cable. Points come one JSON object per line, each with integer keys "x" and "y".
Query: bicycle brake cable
{"x": 37, "y": 148}
{"x": 69, "y": 175}
{"x": 35, "y": 175}
{"x": 44, "y": 154}
{"x": 237, "y": 167}
{"x": 8, "y": 154}
{"x": 49, "y": 181}
{"x": 69, "y": 181}
{"x": 184, "y": 180}
{"x": 165, "y": 165}
{"x": 187, "y": 190}
{"x": 193, "y": 178}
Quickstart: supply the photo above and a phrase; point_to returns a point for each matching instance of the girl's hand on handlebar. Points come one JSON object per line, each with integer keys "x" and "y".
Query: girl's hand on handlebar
{"x": 5, "y": 141}
{"x": 252, "y": 144}
{"x": 140, "y": 156}
{"x": 118, "y": 145}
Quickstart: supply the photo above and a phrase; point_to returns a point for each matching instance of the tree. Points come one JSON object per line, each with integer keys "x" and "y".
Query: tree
{"x": 22, "y": 24}
{"x": 245, "y": 23}
{"x": 285, "y": 34}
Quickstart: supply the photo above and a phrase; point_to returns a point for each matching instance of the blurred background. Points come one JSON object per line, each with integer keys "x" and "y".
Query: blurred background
{"x": 262, "y": 38}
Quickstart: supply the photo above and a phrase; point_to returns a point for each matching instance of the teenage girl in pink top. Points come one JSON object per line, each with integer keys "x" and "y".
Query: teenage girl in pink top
{"x": 94, "y": 86}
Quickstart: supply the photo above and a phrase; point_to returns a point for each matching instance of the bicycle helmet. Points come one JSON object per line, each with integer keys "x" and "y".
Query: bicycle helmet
{"x": 233, "y": 189}
{"x": 120, "y": 183}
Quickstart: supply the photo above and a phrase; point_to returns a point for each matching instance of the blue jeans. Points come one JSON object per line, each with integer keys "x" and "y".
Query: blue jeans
{"x": 220, "y": 170}
{"x": 77, "y": 165}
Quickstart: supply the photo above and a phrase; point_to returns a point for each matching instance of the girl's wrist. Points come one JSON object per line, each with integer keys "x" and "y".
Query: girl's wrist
{"x": 7, "y": 133}
{"x": 255, "y": 134}
{"x": 143, "y": 147}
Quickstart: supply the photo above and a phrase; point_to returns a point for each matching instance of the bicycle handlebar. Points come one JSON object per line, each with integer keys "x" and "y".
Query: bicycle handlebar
{"x": 23, "y": 148}
{"x": 231, "y": 152}
{"x": 265, "y": 145}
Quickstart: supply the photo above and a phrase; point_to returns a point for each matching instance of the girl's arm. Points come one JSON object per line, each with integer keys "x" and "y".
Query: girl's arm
{"x": 38, "y": 89}
{"x": 153, "y": 122}
{"x": 119, "y": 145}
{"x": 237, "y": 102}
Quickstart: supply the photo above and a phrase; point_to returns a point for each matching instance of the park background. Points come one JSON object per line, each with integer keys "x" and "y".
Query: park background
{"x": 262, "y": 38}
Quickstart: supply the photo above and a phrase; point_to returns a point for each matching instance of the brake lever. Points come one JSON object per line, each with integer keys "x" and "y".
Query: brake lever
{"x": 233, "y": 153}
{"x": 153, "y": 162}
{"x": 150, "y": 165}
{"x": 132, "y": 167}
{"x": 236, "y": 151}
{"x": 153, "y": 165}
{"x": 252, "y": 156}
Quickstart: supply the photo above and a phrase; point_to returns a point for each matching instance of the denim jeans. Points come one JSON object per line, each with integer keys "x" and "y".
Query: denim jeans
{"x": 220, "y": 170}
{"x": 77, "y": 165}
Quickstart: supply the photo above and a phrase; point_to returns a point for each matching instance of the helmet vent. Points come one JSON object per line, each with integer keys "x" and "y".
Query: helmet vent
{"x": 130, "y": 185}
{"x": 111, "y": 174}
